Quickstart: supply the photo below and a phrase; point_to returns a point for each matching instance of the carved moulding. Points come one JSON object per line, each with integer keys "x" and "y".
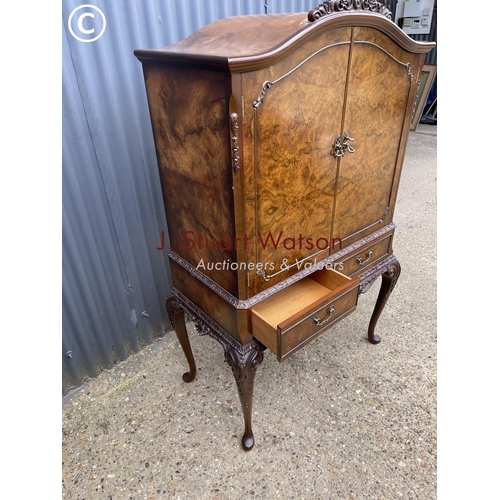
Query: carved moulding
{"x": 332, "y": 6}
{"x": 205, "y": 325}
{"x": 243, "y": 359}
{"x": 268, "y": 84}
{"x": 250, "y": 302}
{"x": 389, "y": 265}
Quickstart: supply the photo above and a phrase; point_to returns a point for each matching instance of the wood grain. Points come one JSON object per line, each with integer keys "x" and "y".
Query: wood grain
{"x": 248, "y": 43}
{"x": 210, "y": 303}
{"x": 378, "y": 95}
{"x": 286, "y": 320}
{"x": 245, "y": 113}
{"x": 333, "y": 280}
{"x": 289, "y": 171}
{"x": 286, "y": 303}
{"x": 369, "y": 255}
{"x": 190, "y": 125}
{"x": 294, "y": 336}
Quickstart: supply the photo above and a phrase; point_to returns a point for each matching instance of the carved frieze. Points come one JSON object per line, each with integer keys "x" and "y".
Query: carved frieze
{"x": 369, "y": 277}
{"x": 248, "y": 303}
{"x": 205, "y": 325}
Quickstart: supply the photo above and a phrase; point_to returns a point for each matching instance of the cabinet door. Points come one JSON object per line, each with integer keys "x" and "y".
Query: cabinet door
{"x": 377, "y": 105}
{"x": 297, "y": 111}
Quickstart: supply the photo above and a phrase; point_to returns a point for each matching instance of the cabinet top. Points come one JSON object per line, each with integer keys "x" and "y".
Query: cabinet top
{"x": 247, "y": 43}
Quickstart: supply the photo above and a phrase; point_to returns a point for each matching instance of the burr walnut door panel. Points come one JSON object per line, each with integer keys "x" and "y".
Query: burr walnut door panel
{"x": 296, "y": 114}
{"x": 376, "y": 106}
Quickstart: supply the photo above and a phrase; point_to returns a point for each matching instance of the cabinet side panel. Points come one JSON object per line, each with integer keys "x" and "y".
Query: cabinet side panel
{"x": 189, "y": 114}
{"x": 210, "y": 303}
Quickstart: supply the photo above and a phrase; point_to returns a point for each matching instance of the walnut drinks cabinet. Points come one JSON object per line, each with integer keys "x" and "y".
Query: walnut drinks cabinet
{"x": 280, "y": 141}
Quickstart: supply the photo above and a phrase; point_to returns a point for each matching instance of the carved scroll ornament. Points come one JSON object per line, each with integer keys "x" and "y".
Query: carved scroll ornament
{"x": 332, "y": 6}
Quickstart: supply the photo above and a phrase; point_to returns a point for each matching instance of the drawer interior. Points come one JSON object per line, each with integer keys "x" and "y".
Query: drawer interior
{"x": 289, "y": 306}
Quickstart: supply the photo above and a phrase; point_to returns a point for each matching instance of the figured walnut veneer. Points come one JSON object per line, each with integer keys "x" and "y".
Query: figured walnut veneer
{"x": 280, "y": 141}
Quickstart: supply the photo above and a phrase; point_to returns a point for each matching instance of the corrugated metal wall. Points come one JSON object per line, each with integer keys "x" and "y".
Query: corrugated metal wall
{"x": 115, "y": 281}
{"x": 431, "y": 56}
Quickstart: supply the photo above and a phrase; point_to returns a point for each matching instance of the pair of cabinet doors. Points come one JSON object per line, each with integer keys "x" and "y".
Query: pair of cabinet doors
{"x": 324, "y": 131}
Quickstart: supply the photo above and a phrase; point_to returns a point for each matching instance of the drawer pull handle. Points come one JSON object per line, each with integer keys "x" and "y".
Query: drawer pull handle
{"x": 318, "y": 322}
{"x": 362, "y": 262}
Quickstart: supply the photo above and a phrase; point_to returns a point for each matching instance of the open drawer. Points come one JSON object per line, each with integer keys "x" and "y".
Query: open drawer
{"x": 300, "y": 312}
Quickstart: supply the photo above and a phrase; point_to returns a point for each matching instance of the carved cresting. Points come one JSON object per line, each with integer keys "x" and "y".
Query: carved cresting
{"x": 332, "y": 6}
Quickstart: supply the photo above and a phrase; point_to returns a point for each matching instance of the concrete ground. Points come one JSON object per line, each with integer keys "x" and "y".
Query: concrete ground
{"x": 341, "y": 419}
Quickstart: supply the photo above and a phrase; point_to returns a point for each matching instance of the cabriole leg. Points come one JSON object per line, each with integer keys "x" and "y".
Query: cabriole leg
{"x": 176, "y": 315}
{"x": 244, "y": 367}
{"x": 389, "y": 280}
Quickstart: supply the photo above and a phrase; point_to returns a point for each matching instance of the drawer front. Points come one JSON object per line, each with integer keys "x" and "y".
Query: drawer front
{"x": 294, "y": 335}
{"x": 360, "y": 260}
